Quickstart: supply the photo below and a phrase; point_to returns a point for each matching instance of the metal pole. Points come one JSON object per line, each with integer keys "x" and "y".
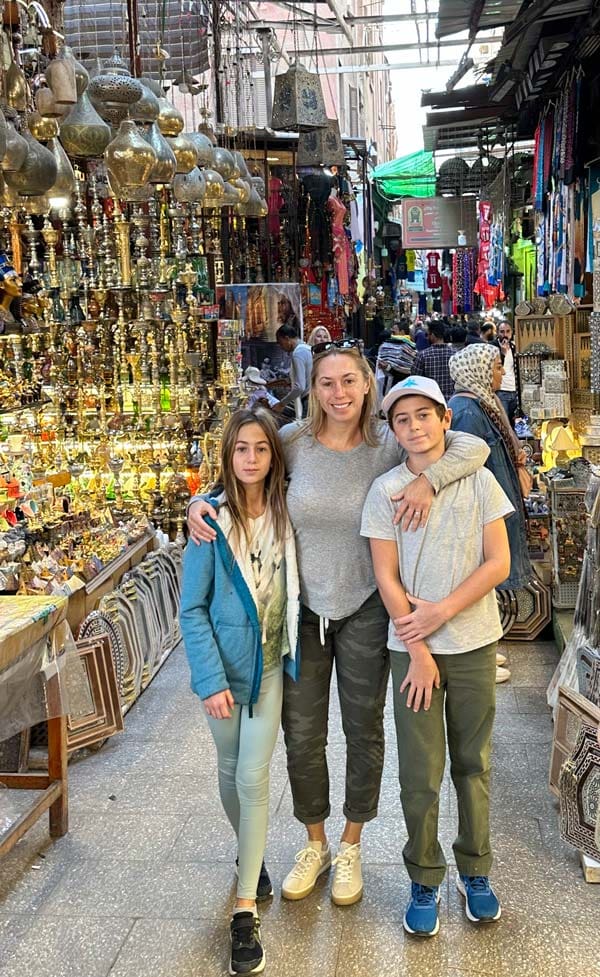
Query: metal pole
{"x": 133, "y": 38}
{"x": 264, "y": 34}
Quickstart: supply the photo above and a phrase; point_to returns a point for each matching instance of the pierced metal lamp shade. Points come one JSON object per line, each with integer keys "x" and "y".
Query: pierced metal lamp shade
{"x": 83, "y": 133}
{"x": 298, "y": 102}
{"x": 321, "y": 147}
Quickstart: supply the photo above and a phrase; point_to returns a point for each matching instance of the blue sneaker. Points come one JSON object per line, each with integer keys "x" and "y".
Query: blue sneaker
{"x": 481, "y": 902}
{"x": 421, "y": 916}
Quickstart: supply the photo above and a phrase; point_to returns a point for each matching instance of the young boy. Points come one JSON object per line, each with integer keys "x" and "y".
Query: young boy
{"x": 438, "y": 587}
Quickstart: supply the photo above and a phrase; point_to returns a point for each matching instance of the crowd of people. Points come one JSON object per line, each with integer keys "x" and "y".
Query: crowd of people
{"x": 367, "y": 537}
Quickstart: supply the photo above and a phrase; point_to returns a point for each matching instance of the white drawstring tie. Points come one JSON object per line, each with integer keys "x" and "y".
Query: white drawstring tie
{"x": 323, "y": 625}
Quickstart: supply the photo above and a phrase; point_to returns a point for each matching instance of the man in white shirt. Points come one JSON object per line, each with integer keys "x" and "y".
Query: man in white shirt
{"x": 300, "y": 371}
{"x": 509, "y": 391}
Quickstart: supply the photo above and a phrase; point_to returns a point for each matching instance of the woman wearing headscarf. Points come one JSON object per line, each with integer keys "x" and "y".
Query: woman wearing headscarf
{"x": 477, "y": 373}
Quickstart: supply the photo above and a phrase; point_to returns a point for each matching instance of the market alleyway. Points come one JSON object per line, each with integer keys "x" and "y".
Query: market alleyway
{"x": 143, "y": 883}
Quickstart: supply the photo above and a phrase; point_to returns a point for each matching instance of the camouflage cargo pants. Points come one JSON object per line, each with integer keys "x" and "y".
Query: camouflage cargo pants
{"x": 358, "y": 646}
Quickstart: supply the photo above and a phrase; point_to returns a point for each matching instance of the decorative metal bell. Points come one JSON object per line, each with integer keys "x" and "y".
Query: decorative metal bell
{"x": 298, "y": 102}
{"x": 321, "y": 147}
{"x": 129, "y": 158}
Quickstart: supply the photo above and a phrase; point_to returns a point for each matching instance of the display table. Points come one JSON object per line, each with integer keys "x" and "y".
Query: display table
{"x": 31, "y": 690}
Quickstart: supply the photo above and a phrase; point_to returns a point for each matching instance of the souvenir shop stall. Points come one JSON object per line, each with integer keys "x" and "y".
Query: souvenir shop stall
{"x": 125, "y": 214}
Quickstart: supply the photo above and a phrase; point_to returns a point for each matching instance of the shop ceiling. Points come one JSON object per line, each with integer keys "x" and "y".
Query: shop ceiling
{"x": 542, "y": 39}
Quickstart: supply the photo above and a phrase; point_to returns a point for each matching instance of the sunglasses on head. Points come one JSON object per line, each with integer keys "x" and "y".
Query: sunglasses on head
{"x": 343, "y": 344}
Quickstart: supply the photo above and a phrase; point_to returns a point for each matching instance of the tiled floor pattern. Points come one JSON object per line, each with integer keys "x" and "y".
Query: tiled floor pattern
{"x": 143, "y": 883}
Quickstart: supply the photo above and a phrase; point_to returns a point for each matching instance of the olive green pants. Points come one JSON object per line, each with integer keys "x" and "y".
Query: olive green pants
{"x": 466, "y": 700}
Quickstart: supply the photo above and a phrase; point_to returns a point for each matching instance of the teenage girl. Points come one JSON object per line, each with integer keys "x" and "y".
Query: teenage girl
{"x": 239, "y": 618}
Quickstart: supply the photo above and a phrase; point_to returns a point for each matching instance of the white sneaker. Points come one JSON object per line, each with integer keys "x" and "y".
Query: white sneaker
{"x": 311, "y": 862}
{"x": 500, "y": 658}
{"x": 347, "y": 885}
{"x": 502, "y": 675}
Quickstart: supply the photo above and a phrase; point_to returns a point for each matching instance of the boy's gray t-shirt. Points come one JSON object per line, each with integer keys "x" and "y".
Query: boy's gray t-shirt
{"x": 436, "y": 559}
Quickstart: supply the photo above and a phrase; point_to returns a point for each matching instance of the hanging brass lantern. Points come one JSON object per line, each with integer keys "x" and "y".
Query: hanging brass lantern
{"x": 147, "y": 108}
{"x": 298, "y": 102}
{"x": 190, "y": 187}
{"x": 129, "y": 158}
{"x": 170, "y": 120}
{"x": 321, "y": 147}
{"x": 83, "y": 132}
{"x": 244, "y": 190}
{"x": 2, "y": 134}
{"x": 38, "y": 172}
{"x": 46, "y": 105}
{"x": 223, "y": 162}
{"x": 16, "y": 149}
{"x": 242, "y": 165}
{"x": 255, "y": 207}
{"x": 204, "y": 148}
{"x": 163, "y": 170}
{"x": 215, "y": 188}
{"x": 185, "y": 152}
{"x": 137, "y": 195}
{"x": 231, "y": 197}
{"x": 60, "y": 78}
{"x": 114, "y": 90}
{"x": 43, "y": 127}
{"x": 15, "y": 88}
{"x": 62, "y": 188}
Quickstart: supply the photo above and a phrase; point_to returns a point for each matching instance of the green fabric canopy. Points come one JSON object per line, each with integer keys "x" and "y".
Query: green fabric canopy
{"x": 409, "y": 176}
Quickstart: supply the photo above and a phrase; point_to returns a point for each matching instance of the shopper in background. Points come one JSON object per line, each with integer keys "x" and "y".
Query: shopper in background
{"x": 473, "y": 332}
{"x": 239, "y": 620}
{"x": 320, "y": 334}
{"x": 511, "y": 385}
{"x": 444, "y": 628}
{"x": 488, "y": 331}
{"x": 477, "y": 372}
{"x": 395, "y": 359}
{"x": 433, "y": 362}
{"x": 458, "y": 337}
{"x": 301, "y": 356}
{"x": 331, "y": 460}
{"x": 420, "y": 336}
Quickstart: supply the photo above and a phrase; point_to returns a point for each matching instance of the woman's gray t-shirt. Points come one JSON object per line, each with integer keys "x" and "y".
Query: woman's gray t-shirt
{"x": 325, "y": 498}
{"x": 326, "y": 494}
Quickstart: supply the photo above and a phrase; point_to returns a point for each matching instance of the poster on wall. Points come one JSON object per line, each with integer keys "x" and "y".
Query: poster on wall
{"x": 435, "y": 222}
{"x": 262, "y": 308}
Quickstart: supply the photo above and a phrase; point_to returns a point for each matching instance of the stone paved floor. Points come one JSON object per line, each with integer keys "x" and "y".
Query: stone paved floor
{"x": 143, "y": 883}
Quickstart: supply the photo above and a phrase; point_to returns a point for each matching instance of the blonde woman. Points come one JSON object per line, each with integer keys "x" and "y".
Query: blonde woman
{"x": 320, "y": 334}
{"x": 239, "y": 619}
{"x": 331, "y": 460}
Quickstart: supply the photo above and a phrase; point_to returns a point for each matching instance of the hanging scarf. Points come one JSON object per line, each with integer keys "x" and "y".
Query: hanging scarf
{"x": 472, "y": 371}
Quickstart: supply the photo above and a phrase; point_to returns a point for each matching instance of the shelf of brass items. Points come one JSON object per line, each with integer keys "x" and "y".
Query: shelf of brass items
{"x": 36, "y": 405}
{"x": 110, "y": 568}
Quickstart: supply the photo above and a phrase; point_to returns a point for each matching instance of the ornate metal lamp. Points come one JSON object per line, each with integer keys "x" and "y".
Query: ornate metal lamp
{"x": 298, "y": 103}
{"x": 321, "y": 147}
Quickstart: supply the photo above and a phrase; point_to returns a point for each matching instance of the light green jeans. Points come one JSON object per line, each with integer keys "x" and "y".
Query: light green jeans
{"x": 467, "y": 699}
{"x": 244, "y": 749}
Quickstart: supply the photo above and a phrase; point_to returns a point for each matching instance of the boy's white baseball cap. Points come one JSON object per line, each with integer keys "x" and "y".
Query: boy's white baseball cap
{"x": 411, "y": 387}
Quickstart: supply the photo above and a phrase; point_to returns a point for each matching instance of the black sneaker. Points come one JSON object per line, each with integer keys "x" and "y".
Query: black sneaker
{"x": 247, "y": 954}
{"x": 265, "y": 887}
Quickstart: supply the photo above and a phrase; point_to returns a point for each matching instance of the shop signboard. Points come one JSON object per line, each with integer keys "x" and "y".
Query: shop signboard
{"x": 439, "y": 222}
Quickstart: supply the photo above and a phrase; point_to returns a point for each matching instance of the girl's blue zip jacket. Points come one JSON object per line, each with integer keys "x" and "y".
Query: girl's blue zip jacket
{"x": 219, "y": 617}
